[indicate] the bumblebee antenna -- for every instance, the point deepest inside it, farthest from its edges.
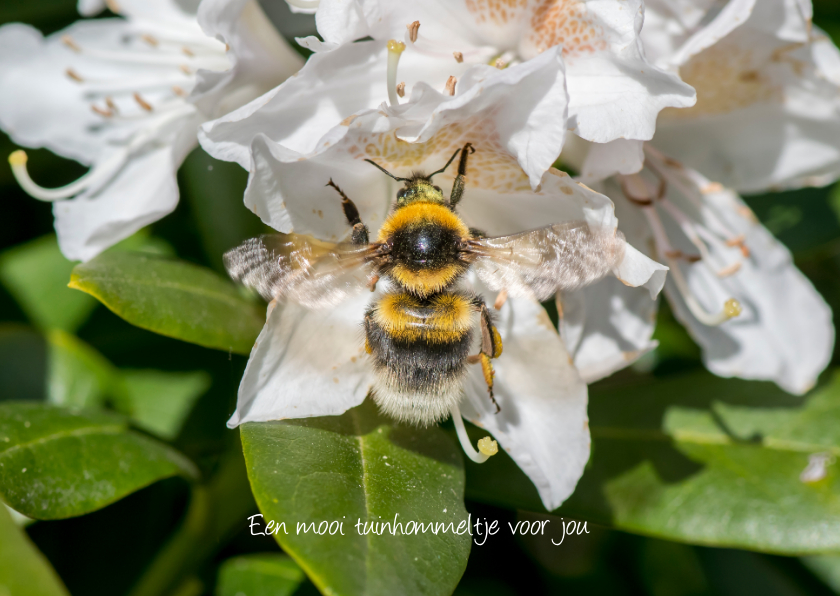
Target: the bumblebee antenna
(370, 161)
(440, 171)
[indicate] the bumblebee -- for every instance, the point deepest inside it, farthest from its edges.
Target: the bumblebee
(420, 331)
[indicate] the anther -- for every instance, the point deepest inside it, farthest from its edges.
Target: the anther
(113, 6)
(185, 69)
(102, 112)
(450, 85)
(74, 75)
(487, 447)
(178, 91)
(142, 102)
(413, 28)
(500, 64)
(68, 41)
(188, 52)
(401, 89)
(395, 49)
(730, 270)
(109, 101)
(149, 40)
(459, 57)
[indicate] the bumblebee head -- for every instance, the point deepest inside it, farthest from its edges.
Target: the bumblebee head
(419, 188)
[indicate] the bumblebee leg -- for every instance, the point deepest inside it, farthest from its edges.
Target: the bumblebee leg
(360, 231)
(491, 347)
(458, 185)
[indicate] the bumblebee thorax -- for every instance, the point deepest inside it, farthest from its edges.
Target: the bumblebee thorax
(424, 240)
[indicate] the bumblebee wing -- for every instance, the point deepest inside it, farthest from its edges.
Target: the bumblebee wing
(538, 263)
(300, 268)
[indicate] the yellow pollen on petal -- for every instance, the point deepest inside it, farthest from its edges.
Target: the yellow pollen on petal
(732, 308)
(18, 158)
(488, 446)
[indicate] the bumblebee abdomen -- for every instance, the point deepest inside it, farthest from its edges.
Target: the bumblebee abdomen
(419, 350)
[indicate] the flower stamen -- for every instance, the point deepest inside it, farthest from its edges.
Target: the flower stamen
(395, 50)
(142, 102)
(450, 85)
(72, 74)
(413, 28)
(401, 89)
(70, 43)
(459, 57)
(731, 307)
(487, 447)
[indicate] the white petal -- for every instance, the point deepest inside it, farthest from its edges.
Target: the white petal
(674, 31)
(142, 192)
(89, 8)
(543, 424)
(616, 157)
(329, 88)
(40, 106)
(525, 104)
(615, 93)
(768, 113)
(305, 363)
(262, 58)
(785, 332)
(607, 327)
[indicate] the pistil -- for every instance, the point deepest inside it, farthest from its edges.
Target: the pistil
(395, 50)
(487, 447)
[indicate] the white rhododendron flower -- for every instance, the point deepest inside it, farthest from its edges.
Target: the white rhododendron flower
(593, 77)
(767, 115)
(542, 423)
(126, 96)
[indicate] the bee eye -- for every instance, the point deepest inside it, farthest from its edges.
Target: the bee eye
(437, 188)
(400, 194)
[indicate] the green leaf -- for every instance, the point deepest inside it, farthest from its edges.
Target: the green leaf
(23, 363)
(23, 569)
(263, 574)
(57, 463)
(827, 568)
(703, 460)
(158, 401)
(361, 467)
(173, 298)
(77, 375)
(36, 275)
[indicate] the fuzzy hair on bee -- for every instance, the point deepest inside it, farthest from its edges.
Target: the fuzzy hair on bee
(420, 332)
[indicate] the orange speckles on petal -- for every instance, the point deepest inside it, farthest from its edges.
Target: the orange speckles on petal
(727, 77)
(566, 22)
(491, 166)
(496, 12)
